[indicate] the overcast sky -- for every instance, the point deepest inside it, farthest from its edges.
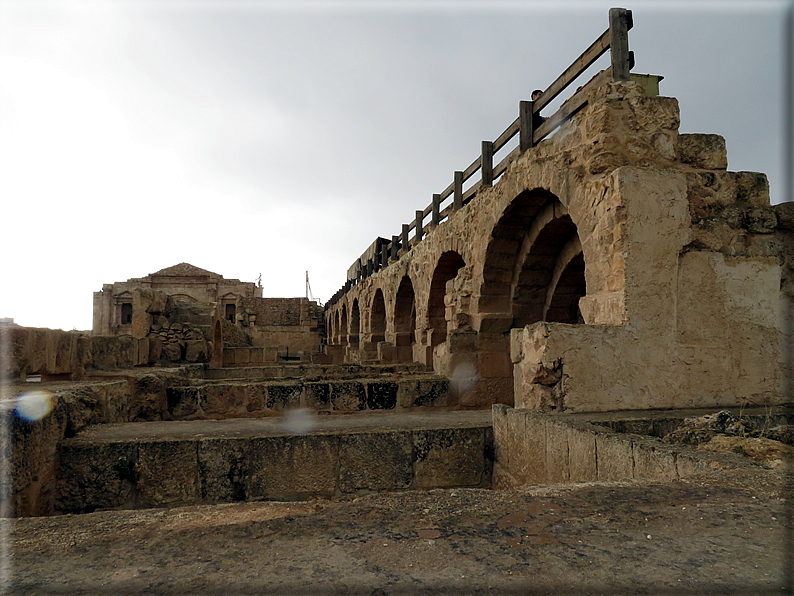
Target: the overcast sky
(276, 138)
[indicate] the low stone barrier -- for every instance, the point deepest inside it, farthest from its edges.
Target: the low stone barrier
(210, 462)
(537, 448)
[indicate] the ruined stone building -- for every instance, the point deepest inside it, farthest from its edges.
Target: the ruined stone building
(178, 309)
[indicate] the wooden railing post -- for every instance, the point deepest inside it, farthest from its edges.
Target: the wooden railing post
(525, 132)
(404, 239)
(457, 201)
(436, 217)
(420, 215)
(369, 268)
(619, 25)
(394, 243)
(486, 163)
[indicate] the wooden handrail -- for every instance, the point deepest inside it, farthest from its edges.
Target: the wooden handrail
(615, 39)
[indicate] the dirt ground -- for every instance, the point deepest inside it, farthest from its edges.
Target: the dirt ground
(728, 532)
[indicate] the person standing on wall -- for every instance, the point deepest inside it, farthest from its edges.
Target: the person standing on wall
(537, 119)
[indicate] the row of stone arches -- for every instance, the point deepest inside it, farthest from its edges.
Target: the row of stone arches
(457, 305)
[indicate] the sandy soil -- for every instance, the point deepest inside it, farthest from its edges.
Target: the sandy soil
(727, 532)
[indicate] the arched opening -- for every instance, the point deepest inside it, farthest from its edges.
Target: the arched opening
(377, 319)
(534, 266)
(343, 328)
(447, 268)
(551, 256)
(355, 324)
(405, 313)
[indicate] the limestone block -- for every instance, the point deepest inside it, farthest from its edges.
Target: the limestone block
(381, 395)
(115, 401)
(785, 215)
(348, 396)
(256, 396)
(557, 451)
(223, 469)
(706, 151)
(495, 364)
(269, 354)
(142, 351)
(424, 393)
(196, 351)
(167, 473)
(752, 187)
(375, 461)
(290, 468)
(449, 457)
(615, 457)
(527, 430)
(653, 460)
(148, 399)
(761, 220)
(317, 396)
(171, 351)
(691, 463)
(222, 398)
(183, 402)
(95, 476)
(283, 397)
(582, 455)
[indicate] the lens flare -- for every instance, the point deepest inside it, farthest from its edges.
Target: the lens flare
(34, 405)
(299, 421)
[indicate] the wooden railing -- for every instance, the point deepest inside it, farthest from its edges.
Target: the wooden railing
(615, 39)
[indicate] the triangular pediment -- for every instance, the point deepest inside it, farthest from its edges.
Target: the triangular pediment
(185, 270)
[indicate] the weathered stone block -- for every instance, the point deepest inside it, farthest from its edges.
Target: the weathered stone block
(653, 460)
(705, 151)
(183, 402)
(615, 458)
(256, 397)
(424, 393)
(95, 476)
(375, 461)
(148, 400)
(222, 399)
(283, 397)
(582, 455)
(293, 467)
(196, 351)
(316, 396)
(557, 452)
(449, 457)
(348, 395)
(381, 395)
(223, 469)
(167, 473)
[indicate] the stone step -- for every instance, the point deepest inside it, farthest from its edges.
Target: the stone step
(295, 457)
(199, 399)
(317, 371)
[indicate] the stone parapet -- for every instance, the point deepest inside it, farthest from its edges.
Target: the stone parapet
(532, 447)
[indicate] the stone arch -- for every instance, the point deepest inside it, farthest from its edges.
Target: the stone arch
(377, 317)
(533, 267)
(343, 326)
(355, 323)
(405, 313)
(449, 263)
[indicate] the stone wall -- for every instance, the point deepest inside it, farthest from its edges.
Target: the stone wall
(657, 271)
(537, 448)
